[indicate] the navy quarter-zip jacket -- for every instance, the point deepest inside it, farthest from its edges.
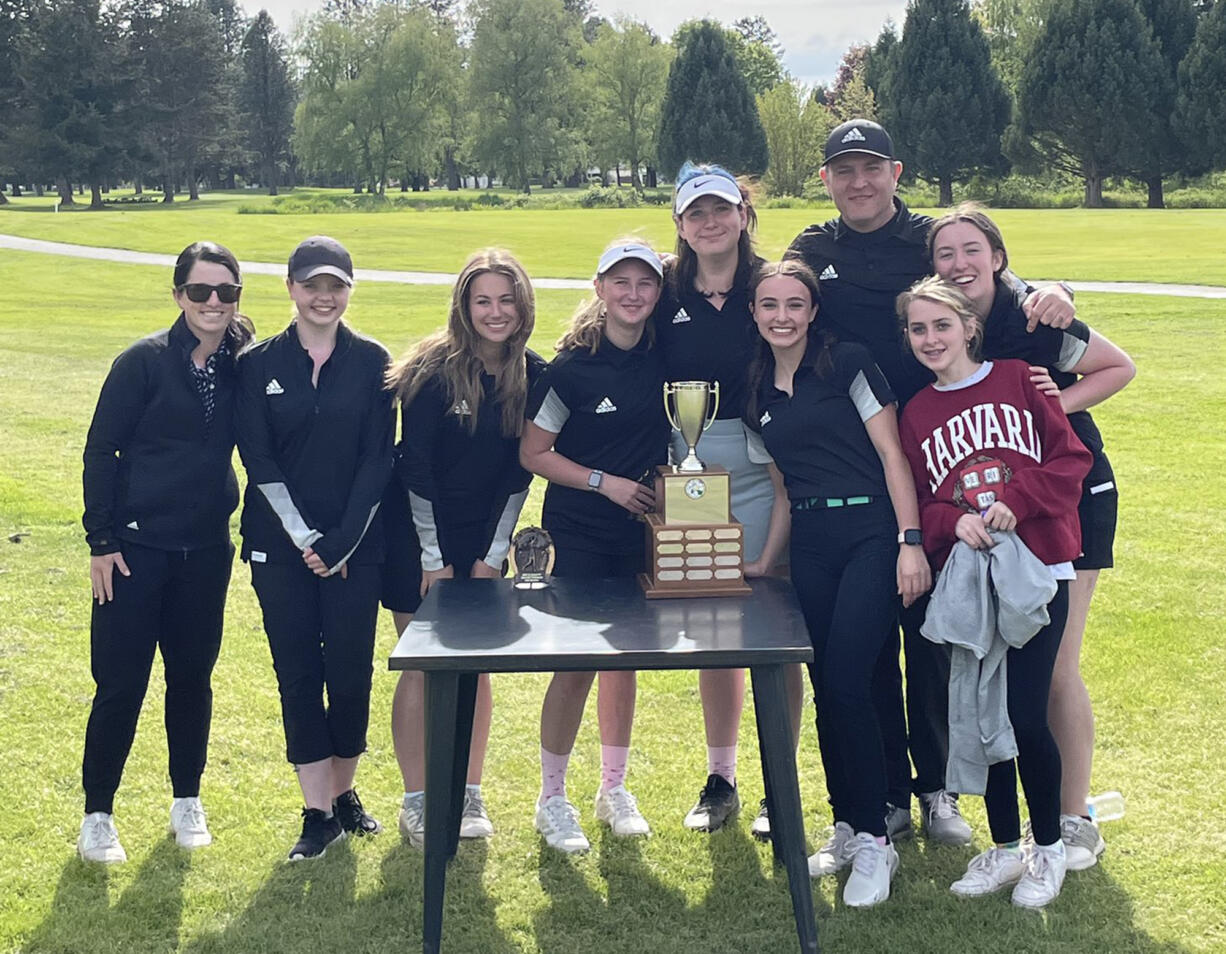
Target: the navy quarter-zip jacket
(318, 457)
(154, 473)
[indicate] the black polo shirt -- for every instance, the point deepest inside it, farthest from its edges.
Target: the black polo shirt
(318, 458)
(1058, 350)
(156, 471)
(817, 436)
(470, 483)
(700, 342)
(860, 275)
(607, 410)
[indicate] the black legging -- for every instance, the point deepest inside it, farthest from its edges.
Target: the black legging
(1038, 758)
(174, 601)
(844, 563)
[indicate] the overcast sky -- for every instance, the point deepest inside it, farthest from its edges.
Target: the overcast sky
(814, 33)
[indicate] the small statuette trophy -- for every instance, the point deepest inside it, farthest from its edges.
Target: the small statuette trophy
(531, 558)
(694, 546)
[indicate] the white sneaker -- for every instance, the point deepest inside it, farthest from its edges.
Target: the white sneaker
(990, 871)
(618, 809)
(188, 824)
(872, 868)
(1082, 842)
(1044, 876)
(412, 822)
(474, 820)
(834, 855)
(99, 841)
(558, 821)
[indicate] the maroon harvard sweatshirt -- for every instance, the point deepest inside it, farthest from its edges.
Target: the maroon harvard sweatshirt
(995, 437)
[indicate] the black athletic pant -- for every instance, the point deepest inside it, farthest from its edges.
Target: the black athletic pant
(1038, 758)
(924, 728)
(174, 601)
(844, 570)
(321, 632)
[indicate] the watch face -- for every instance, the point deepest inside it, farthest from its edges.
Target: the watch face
(695, 487)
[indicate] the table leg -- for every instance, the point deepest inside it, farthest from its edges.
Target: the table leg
(442, 697)
(466, 704)
(783, 794)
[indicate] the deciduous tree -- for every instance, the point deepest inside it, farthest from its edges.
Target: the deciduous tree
(796, 126)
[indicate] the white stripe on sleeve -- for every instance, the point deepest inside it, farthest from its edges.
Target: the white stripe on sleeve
(861, 393)
(502, 533)
(427, 532)
(278, 497)
(553, 413)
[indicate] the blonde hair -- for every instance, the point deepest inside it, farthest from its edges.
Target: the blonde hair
(454, 352)
(940, 292)
(587, 323)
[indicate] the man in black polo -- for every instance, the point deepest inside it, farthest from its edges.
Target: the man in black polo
(864, 259)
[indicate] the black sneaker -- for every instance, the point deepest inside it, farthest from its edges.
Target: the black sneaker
(348, 808)
(318, 832)
(716, 802)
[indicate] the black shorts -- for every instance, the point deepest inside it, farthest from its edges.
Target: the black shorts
(1098, 511)
(574, 562)
(401, 589)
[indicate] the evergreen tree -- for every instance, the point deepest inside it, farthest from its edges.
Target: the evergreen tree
(1200, 110)
(12, 24)
(1087, 97)
(879, 58)
(1174, 25)
(709, 113)
(267, 97)
(941, 100)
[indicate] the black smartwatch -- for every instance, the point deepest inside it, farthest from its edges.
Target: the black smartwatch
(913, 538)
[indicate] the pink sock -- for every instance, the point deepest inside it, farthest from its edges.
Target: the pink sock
(721, 760)
(553, 774)
(880, 839)
(613, 760)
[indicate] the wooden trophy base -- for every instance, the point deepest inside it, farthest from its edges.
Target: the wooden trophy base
(693, 560)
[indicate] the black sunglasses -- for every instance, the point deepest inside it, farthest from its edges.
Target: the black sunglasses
(199, 292)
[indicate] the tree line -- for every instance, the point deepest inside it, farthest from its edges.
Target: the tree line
(373, 93)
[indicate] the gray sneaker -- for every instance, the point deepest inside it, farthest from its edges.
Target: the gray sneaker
(898, 822)
(940, 819)
(1082, 842)
(412, 822)
(836, 854)
(474, 820)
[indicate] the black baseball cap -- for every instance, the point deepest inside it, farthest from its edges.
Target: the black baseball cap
(320, 255)
(858, 135)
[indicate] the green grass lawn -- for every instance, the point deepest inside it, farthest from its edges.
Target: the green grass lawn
(1154, 660)
(1086, 244)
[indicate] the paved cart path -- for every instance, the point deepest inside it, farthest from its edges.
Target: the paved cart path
(441, 278)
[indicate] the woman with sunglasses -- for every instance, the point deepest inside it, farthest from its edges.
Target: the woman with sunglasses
(453, 504)
(315, 434)
(159, 491)
(596, 430)
(706, 333)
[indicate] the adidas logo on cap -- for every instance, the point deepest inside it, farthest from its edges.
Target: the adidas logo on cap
(827, 273)
(681, 316)
(274, 387)
(605, 406)
(853, 135)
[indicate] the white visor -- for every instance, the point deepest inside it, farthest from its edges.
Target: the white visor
(708, 184)
(619, 253)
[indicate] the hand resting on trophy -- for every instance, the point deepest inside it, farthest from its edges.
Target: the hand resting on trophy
(630, 494)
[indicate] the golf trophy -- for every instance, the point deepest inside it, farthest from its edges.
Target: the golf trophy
(694, 547)
(531, 557)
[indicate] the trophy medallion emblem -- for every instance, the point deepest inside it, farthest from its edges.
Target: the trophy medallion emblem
(531, 558)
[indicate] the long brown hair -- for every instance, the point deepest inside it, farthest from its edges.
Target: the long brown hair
(683, 274)
(453, 353)
(763, 362)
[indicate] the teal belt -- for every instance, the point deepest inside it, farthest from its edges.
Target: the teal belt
(829, 503)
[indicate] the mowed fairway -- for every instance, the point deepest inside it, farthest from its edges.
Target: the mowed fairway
(1087, 244)
(1154, 659)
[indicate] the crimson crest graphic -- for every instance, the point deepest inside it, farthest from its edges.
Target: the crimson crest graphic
(980, 482)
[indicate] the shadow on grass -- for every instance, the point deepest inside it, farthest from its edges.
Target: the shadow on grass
(145, 918)
(313, 906)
